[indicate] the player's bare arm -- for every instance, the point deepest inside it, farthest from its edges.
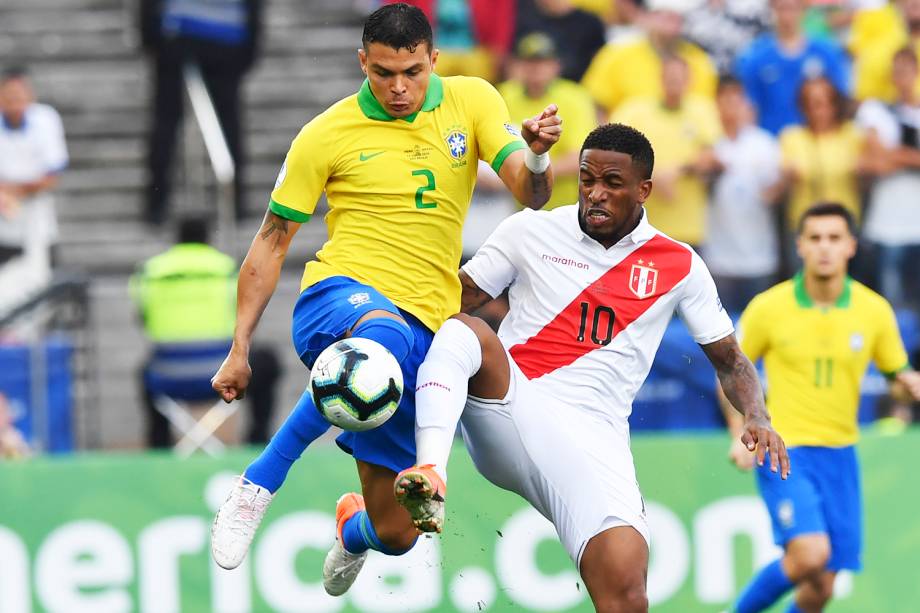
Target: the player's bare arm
(530, 188)
(907, 380)
(472, 297)
(741, 386)
(257, 281)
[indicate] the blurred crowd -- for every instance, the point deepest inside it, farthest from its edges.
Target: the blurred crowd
(757, 109)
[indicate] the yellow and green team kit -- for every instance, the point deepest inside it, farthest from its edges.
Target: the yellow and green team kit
(398, 189)
(815, 358)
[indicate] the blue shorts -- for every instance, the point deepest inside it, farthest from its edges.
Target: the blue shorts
(323, 314)
(821, 495)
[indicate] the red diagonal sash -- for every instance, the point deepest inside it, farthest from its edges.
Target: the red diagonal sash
(630, 288)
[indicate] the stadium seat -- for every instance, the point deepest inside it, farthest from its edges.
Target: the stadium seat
(178, 378)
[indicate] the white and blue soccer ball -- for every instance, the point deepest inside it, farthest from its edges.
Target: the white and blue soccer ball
(356, 384)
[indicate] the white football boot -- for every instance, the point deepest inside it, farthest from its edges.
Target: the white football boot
(236, 522)
(341, 567)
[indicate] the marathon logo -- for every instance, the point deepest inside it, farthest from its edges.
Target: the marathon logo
(555, 259)
(432, 384)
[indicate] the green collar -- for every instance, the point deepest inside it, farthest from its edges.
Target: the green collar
(805, 301)
(372, 109)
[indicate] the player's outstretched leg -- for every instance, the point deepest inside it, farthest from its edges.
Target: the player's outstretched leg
(341, 566)
(465, 357)
(241, 513)
(376, 522)
(422, 492)
(614, 567)
(236, 522)
(805, 560)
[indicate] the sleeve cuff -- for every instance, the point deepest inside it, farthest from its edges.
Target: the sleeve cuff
(482, 283)
(288, 213)
(499, 159)
(891, 374)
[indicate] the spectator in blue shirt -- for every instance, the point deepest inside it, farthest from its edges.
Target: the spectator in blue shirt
(775, 65)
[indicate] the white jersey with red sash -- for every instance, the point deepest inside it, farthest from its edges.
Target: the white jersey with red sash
(585, 321)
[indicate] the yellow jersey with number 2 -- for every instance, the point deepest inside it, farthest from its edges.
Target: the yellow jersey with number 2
(398, 189)
(815, 358)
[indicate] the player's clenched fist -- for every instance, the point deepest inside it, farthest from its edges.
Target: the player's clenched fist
(233, 377)
(543, 131)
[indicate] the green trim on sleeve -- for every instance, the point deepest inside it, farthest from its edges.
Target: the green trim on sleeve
(894, 373)
(515, 145)
(288, 213)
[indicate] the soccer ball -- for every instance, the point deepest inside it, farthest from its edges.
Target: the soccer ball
(356, 384)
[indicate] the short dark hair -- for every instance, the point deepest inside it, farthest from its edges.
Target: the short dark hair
(11, 73)
(193, 230)
(623, 139)
(398, 26)
(726, 81)
(826, 209)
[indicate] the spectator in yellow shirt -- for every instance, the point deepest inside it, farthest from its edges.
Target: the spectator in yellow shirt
(821, 159)
(534, 84)
(622, 70)
(876, 35)
(682, 129)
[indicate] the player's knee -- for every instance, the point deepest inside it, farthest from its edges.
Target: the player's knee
(396, 540)
(629, 597)
(488, 340)
(394, 334)
(809, 561)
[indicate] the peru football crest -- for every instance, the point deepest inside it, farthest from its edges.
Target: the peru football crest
(643, 280)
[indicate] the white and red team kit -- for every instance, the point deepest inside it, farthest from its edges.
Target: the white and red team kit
(583, 329)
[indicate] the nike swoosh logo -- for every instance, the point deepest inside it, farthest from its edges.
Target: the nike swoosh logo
(365, 158)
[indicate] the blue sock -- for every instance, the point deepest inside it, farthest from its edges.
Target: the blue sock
(303, 426)
(794, 608)
(358, 535)
(396, 336)
(767, 587)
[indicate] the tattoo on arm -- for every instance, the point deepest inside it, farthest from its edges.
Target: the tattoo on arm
(737, 375)
(472, 296)
(539, 186)
(274, 226)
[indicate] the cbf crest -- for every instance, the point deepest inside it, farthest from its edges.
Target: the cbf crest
(643, 279)
(456, 144)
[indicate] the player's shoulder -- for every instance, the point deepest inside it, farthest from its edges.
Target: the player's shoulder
(462, 85)
(345, 108)
(42, 114)
(776, 298)
(866, 298)
(670, 243)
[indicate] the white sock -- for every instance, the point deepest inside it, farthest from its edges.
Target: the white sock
(440, 392)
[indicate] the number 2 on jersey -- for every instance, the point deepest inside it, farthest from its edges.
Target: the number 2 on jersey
(604, 313)
(420, 192)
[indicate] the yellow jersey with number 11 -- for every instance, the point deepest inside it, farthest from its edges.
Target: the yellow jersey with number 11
(815, 358)
(398, 189)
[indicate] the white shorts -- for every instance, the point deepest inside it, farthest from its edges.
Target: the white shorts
(574, 468)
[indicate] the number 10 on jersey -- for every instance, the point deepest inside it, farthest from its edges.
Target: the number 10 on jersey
(601, 323)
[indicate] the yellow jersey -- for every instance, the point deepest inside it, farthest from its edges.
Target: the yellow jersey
(815, 358)
(875, 36)
(632, 69)
(577, 111)
(826, 164)
(398, 189)
(678, 136)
